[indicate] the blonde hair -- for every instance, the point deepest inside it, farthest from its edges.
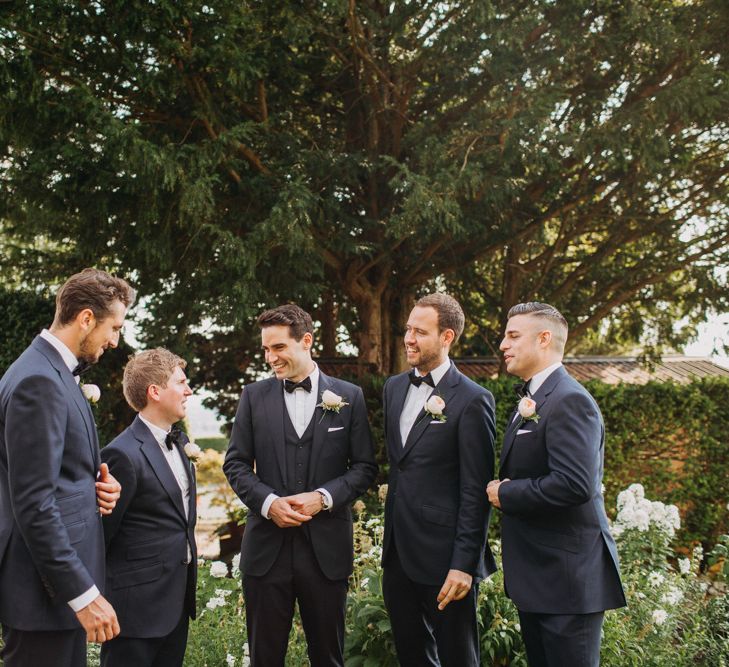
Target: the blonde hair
(146, 368)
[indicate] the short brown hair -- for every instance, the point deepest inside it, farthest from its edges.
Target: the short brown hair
(295, 318)
(560, 328)
(93, 289)
(146, 368)
(450, 313)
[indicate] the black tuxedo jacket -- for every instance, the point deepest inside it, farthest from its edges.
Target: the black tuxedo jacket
(558, 554)
(342, 461)
(437, 511)
(147, 536)
(51, 540)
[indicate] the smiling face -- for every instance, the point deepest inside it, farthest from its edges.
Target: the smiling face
(98, 335)
(287, 357)
(426, 347)
(171, 400)
(527, 346)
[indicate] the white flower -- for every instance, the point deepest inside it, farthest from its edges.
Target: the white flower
(91, 392)
(659, 616)
(434, 406)
(528, 408)
(230, 660)
(382, 492)
(684, 565)
(331, 401)
(215, 602)
(672, 596)
(192, 450)
(218, 569)
(365, 582)
(222, 592)
(655, 579)
(236, 565)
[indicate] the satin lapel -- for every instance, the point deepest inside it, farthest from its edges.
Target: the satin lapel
(74, 390)
(153, 453)
(446, 389)
(190, 469)
(398, 393)
(509, 436)
(274, 406)
(322, 419)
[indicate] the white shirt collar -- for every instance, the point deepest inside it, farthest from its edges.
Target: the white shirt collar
(438, 372)
(159, 434)
(539, 378)
(69, 358)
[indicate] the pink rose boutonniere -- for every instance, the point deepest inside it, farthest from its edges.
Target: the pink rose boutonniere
(527, 409)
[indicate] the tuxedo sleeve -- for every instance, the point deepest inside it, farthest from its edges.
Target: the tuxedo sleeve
(35, 432)
(573, 437)
(362, 467)
(476, 432)
(122, 468)
(240, 459)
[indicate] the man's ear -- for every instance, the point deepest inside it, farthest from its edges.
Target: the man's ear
(85, 319)
(307, 339)
(447, 337)
(152, 393)
(545, 338)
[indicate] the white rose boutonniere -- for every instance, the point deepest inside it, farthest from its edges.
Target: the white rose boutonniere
(434, 406)
(192, 451)
(331, 402)
(91, 392)
(527, 410)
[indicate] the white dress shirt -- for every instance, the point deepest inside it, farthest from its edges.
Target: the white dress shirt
(301, 405)
(69, 358)
(539, 378)
(177, 465)
(417, 397)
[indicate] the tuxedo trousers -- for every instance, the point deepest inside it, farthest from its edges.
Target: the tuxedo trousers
(424, 635)
(295, 577)
(60, 648)
(562, 640)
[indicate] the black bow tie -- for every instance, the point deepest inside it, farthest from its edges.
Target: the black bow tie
(173, 438)
(417, 380)
(522, 390)
(290, 385)
(81, 367)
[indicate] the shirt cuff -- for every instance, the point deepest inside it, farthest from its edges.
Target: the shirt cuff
(84, 600)
(328, 496)
(267, 504)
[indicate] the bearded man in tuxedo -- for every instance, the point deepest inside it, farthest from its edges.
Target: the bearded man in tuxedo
(53, 486)
(439, 429)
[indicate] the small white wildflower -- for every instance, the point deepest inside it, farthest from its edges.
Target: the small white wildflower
(365, 583)
(222, 592)
(684, 565)
(230, 660)
(218, 569)
(215, 602)
(659, 616)
(655, 579)
(640, 595)
(672, 596)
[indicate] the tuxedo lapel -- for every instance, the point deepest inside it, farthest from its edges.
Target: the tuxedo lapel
(540, 398)
(161, 468)
(446, 389)
(190, 470)
(322, 419)
(74, 391)
(398, 392)
(275, 408)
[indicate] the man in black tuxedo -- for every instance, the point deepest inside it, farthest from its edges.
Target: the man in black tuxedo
(439, 428)
(560, 561)
(151, 558)
(53, 486)
(300, 453)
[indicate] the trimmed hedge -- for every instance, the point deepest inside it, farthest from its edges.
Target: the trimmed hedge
(672, 438)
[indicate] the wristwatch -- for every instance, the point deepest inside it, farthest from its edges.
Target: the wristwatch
(324, 502)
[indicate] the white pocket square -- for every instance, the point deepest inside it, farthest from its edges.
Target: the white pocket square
(334, 428)
(522, 431)
(437, 421)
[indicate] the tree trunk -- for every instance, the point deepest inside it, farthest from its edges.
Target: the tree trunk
(328, 317)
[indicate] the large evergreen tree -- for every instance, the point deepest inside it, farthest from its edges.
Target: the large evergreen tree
(350, 154)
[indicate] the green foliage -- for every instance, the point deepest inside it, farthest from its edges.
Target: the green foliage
(235, 155)
(218, 444)
(25, 315)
